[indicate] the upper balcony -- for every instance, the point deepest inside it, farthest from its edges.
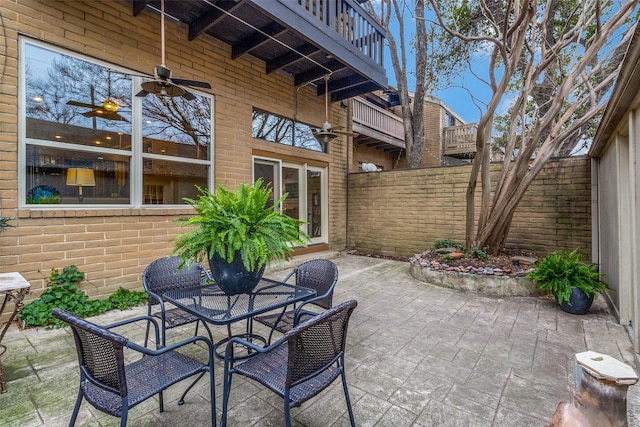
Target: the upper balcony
(306, 39)
(377, 127)
(460, 141)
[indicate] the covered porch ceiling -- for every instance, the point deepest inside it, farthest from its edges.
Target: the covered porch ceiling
(305, 40)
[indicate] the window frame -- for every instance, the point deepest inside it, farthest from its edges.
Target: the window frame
(135, 154)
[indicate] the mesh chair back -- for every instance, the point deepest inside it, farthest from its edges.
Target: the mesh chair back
(317, 343)
(100, 353)
(162, 275)
(321, 275)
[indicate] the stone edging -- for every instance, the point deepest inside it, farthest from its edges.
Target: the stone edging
(497, 286)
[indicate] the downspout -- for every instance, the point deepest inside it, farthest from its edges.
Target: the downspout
(595, 228)
(635, 276)
(346, 203)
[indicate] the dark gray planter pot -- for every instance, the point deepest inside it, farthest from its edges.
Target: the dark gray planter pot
(233, 278)
(579, 302)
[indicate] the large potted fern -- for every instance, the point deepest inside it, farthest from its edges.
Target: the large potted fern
(239, 232)
(573, 282)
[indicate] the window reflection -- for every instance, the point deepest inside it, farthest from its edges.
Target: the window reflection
(78, 114)
(274, 128)
(66, 99)
(177, 127)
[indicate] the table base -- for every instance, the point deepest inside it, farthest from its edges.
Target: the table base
(246, 336)
(17, 298)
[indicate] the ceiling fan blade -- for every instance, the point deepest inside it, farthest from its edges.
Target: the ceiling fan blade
(82, 104)
(188, 96)
(142, 93)
(194, 83)
(104, 115)
(92, 113)
(114, 116)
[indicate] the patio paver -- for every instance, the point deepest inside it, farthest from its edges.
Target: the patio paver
(418, 355)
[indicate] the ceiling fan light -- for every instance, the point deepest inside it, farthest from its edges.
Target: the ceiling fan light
(110, 105)
(324, 135)
(163, 88)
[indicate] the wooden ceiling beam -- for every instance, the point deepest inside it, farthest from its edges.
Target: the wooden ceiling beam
(210, 18)
(291, 57)
(138, 6)
(256, 39)
(318, 72)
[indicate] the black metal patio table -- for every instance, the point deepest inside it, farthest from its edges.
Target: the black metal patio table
(212, 305)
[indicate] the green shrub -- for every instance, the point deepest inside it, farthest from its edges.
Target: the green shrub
(477, 253)
(446, 243)
(62, 292)
(123, 298)
(557, 272)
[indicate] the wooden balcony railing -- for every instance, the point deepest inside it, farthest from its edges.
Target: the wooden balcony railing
(459, 140)
(373, 117)
(347, 20)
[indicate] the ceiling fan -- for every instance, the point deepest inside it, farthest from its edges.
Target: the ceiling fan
(163, 84)
(326, 132)
(108, 110)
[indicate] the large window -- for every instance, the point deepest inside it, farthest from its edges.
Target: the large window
(281, 130)
(86, 139)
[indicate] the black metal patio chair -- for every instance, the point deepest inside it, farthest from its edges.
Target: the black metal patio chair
(298, 366)
(114, 387)
(318, 274)
(162, 275)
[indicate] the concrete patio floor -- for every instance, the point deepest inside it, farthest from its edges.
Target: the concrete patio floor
(417, 355)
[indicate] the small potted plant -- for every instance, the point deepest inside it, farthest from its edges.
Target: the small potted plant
(573, 282)
(239, 232)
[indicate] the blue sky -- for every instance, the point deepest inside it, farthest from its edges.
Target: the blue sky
(455, 97)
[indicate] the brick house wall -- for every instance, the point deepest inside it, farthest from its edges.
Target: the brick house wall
(433, 125)
(403, 212)
(113, 246)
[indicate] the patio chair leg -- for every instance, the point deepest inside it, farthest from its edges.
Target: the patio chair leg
(225, 400)
(181, 401)
(74, 415)
(160, 398)
(287, 413)
(346, 395)
(125, 411)
(146, 334)
(212, 391)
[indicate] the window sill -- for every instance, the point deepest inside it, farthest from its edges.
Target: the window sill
(106, 211)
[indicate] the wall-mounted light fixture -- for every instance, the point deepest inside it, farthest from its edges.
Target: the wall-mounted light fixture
(80, 177)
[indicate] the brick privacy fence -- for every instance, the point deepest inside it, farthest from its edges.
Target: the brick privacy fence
(403, 212)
